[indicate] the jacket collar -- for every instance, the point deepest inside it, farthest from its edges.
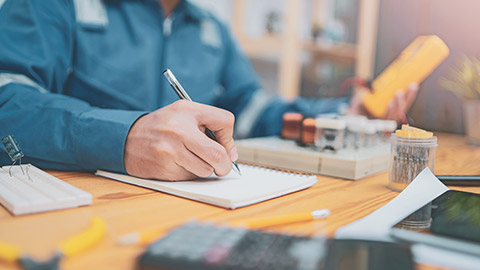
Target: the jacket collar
(190, 11)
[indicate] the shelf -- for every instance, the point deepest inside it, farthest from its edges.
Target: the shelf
(267, 45)
(287, 48)
(343, 52)
(270, 46)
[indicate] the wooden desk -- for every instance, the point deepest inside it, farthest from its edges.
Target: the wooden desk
(127, 208)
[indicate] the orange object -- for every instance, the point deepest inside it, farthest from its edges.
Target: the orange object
(412, 132)
(292, 124)
(308, 131)
(413, 65)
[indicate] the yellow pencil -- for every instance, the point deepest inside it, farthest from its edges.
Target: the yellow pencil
(148, 237)
(143, 238)
(257, 223)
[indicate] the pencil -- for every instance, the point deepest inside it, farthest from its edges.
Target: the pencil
(148, 237)
(143, 238)
(258, 223)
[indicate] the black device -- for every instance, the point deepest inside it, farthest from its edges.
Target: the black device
(455, 223)
(460, 180)
(211, 247)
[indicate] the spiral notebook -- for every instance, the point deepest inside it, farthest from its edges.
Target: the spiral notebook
(232, 191)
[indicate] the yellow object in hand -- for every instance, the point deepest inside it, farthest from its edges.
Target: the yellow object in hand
(413, 65)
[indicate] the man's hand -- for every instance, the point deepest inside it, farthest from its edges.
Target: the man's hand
(170, 143)
(396, 109)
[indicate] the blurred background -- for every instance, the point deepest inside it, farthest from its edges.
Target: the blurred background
(309, 47)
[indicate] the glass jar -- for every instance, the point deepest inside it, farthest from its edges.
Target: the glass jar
(408, 157)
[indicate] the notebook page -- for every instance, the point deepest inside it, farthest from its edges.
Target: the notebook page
(256, 184)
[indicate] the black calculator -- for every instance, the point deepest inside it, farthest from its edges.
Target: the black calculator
(212, 247)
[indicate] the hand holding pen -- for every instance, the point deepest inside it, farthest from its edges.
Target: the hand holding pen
(182, 94)
(170, 143)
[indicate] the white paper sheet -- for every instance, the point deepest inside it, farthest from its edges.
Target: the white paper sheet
(377, 225)
(232, 191)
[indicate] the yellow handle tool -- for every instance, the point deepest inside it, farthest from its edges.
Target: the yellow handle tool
(71, 246)
(84, 240)
(9, 252)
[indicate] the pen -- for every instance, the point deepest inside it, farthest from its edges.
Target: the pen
(257, 223)
(182, 94)
(460, 180)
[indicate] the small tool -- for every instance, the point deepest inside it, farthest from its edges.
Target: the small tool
(68, 248)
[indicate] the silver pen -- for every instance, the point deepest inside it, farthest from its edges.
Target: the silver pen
(182, 94)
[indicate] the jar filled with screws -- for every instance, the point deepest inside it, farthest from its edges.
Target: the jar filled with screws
(412, 150)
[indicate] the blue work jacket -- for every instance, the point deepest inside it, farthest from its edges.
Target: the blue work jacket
(76, 74)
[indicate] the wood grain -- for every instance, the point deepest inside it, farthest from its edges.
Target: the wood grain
(128, 208)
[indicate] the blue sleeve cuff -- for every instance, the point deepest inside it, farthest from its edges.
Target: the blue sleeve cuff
(100, 138)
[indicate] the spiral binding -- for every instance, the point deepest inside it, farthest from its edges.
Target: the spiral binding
(277, 170)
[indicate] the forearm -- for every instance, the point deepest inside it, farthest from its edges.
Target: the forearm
(60, 132)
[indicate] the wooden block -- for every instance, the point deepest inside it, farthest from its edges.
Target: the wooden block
(286, 154)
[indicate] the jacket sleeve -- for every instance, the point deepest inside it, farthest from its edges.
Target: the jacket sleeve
(55, 131)
(258, 114)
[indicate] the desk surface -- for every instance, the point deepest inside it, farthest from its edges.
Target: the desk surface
(128, 208)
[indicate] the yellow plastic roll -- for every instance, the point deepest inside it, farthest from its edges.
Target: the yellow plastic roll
(413, 65)
(9, 252)
(84, 240)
